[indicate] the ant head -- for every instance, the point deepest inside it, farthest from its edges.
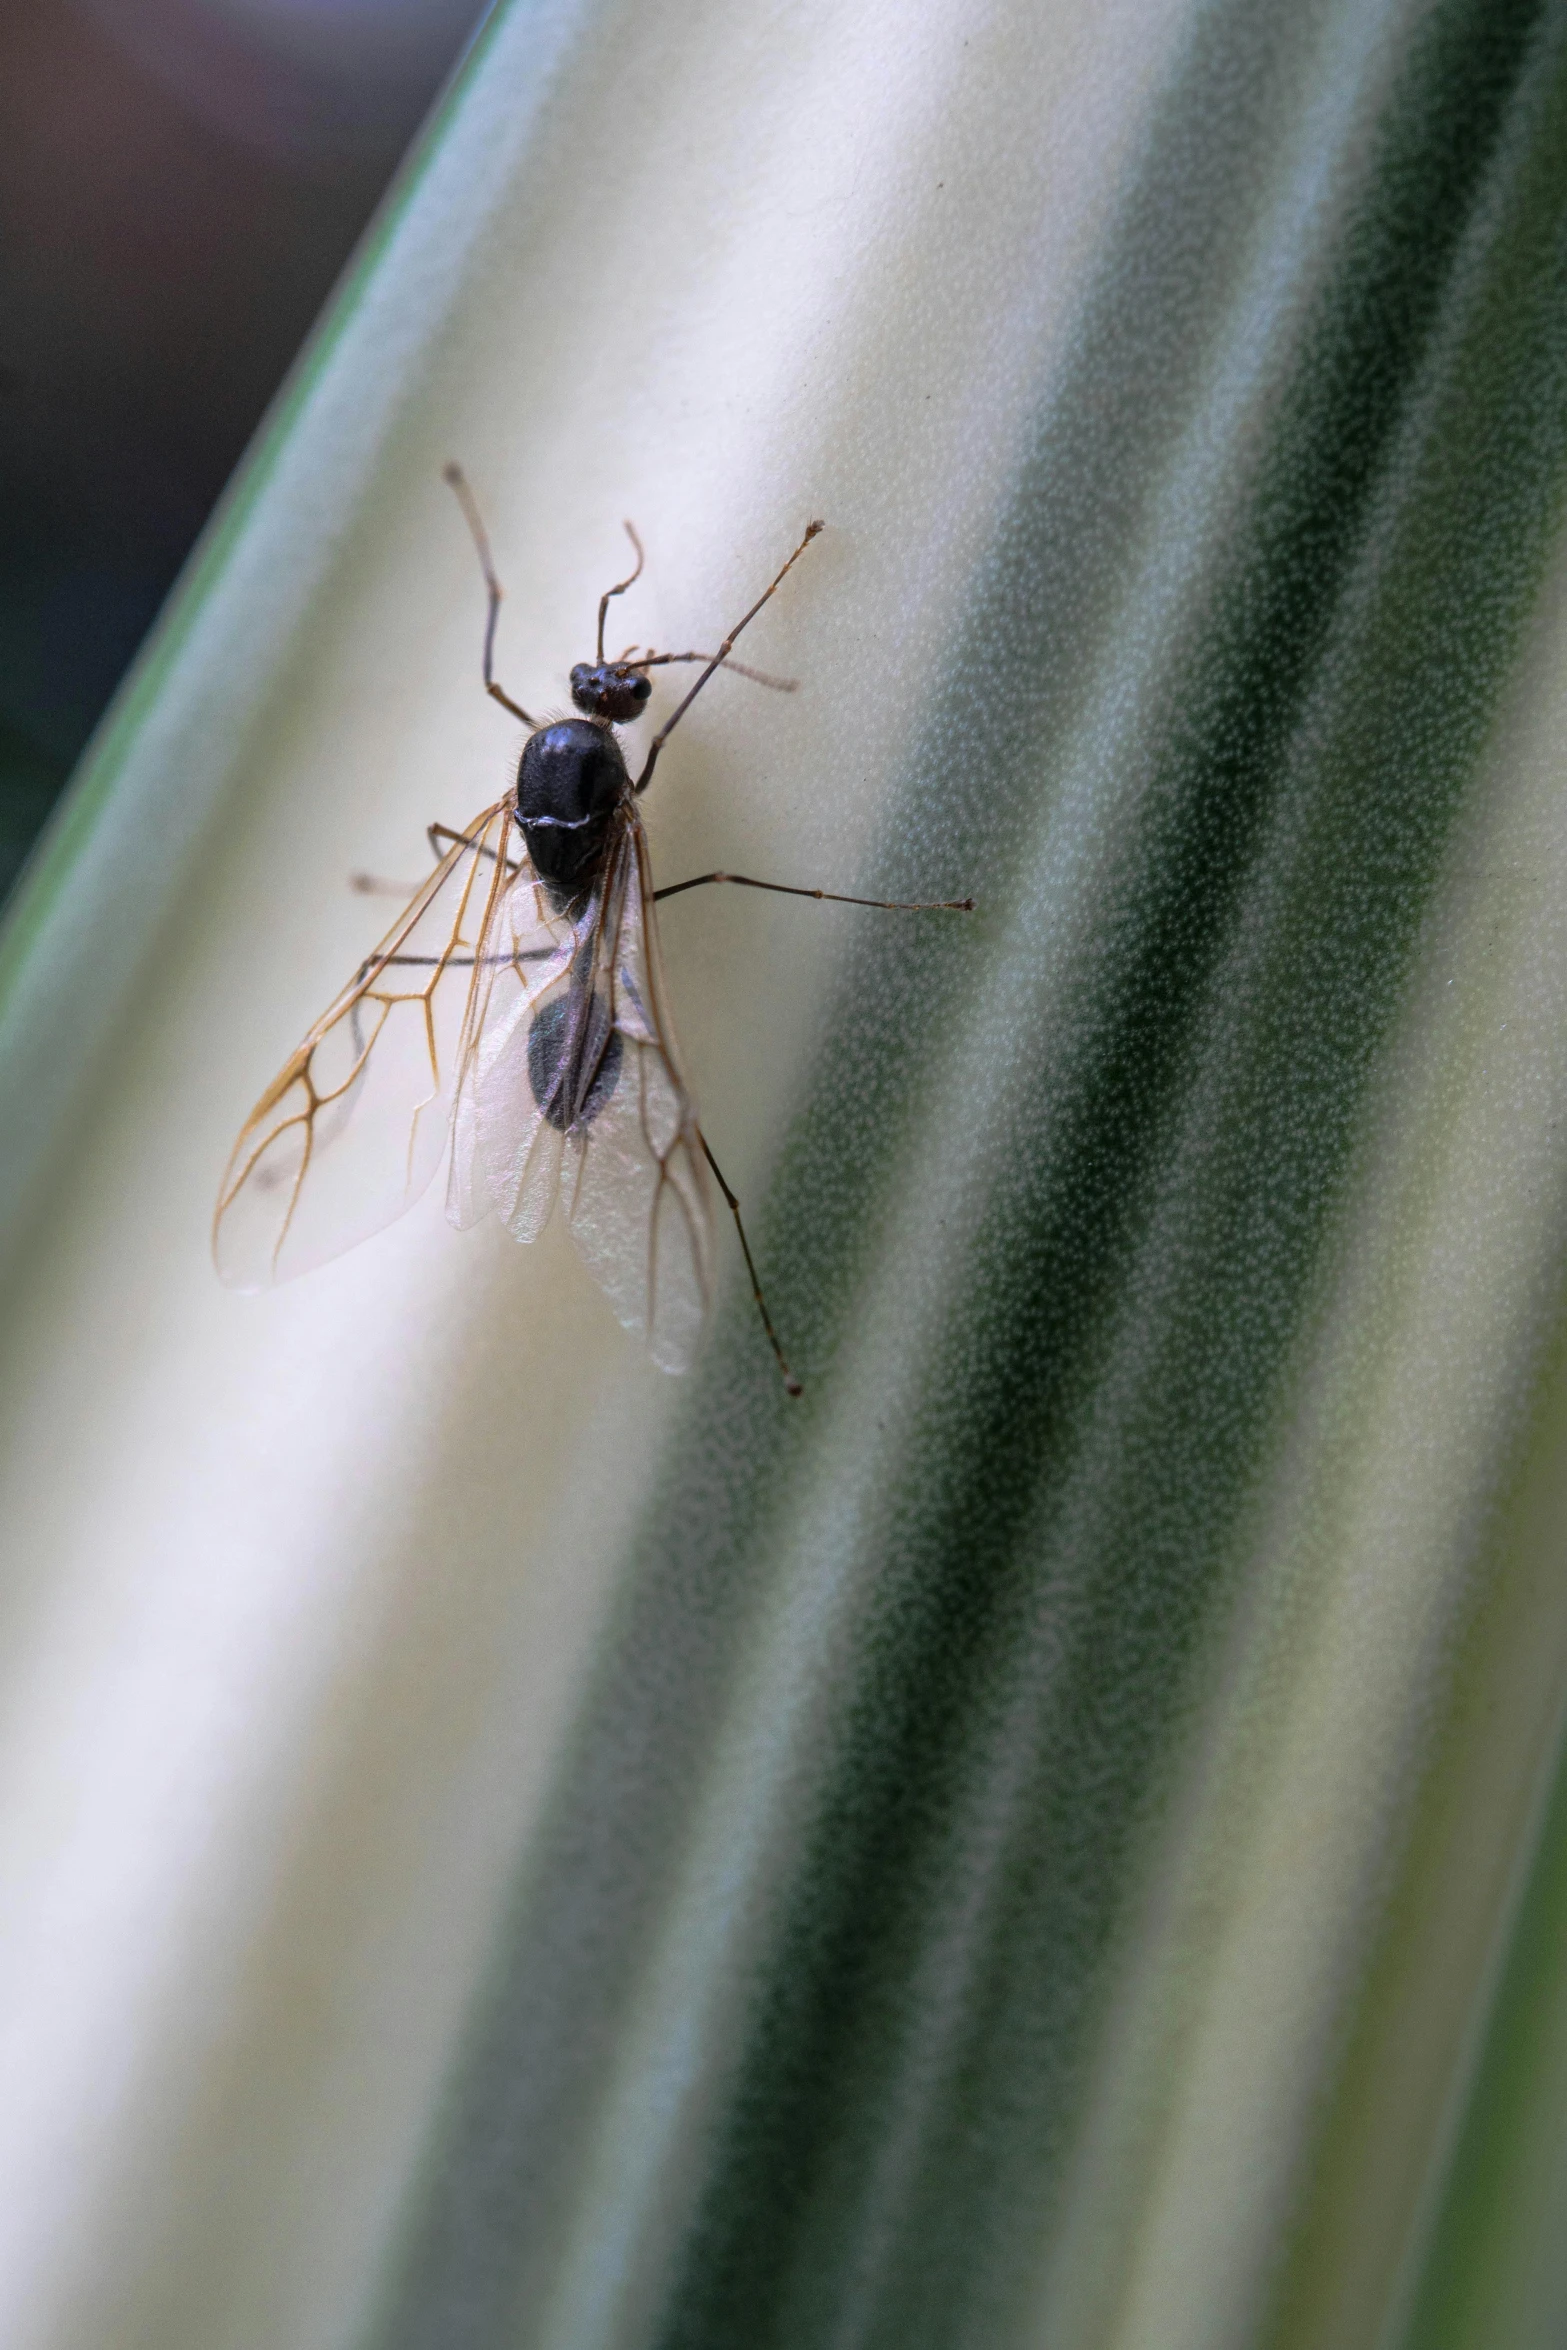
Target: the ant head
(610, 689)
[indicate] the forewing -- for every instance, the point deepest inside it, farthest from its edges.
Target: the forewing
(638, 1196)
(505, 1153)
(351, 1130)
(571, 1087)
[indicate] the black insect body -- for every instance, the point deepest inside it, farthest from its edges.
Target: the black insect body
(574, 1055)
(515, 1012)
(610, 689)
(571, 782)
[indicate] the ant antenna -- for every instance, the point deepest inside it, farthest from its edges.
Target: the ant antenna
(629, 581)
(455, 479)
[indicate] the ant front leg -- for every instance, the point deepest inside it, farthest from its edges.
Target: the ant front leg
(721, 656)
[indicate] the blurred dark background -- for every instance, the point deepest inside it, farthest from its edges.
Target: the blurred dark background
(181, 181)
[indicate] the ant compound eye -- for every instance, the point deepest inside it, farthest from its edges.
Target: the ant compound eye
(642, 687)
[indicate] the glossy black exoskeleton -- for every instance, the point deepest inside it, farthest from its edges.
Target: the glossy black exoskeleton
(570, 780)
(610, 689)
(574, 796)
(574, 1056)
(572, 776)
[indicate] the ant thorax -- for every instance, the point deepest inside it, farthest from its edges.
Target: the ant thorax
(571, 778)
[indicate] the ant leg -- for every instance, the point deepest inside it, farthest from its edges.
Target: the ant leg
(629, 581)
(721, 656)
(436, 833)
(791, 1383)
(374, 963)
(835, 897)
(779, 685)
(457, 480)
(370, 885)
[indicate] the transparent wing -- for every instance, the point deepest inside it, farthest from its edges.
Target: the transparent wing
(570, 1089)
(351, 1130)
